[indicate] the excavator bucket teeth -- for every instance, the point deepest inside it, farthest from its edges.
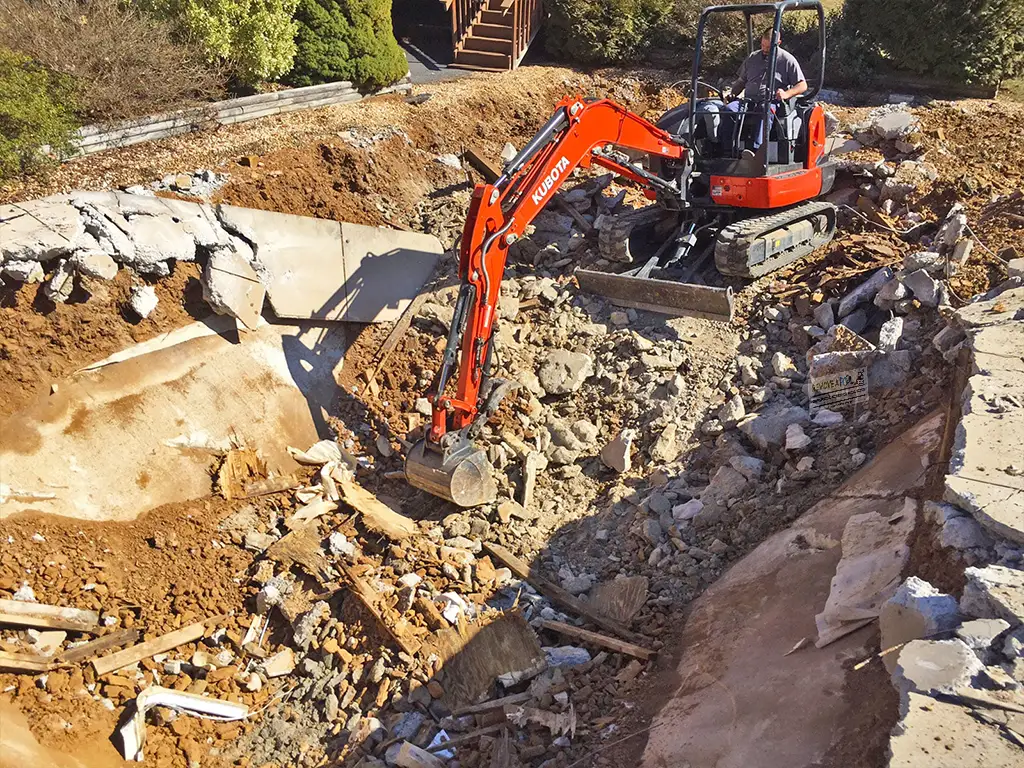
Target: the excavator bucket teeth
(462, 476)
(664, 296)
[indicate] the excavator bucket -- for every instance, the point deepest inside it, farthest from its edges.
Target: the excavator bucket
(462, 476)
(664, 296)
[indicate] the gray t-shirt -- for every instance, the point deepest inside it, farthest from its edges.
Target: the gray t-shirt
(754, 72)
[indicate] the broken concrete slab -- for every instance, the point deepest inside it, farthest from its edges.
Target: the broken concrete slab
(95, 264)
(864, 292)
(924, 287)
(981, 634)
(327, 270)
(232, 287)
(39, 230)
(24, 271)
(936, 734)
(916, 611)
(875, 551)
(994, 592)
(159, 413)
(562, 371)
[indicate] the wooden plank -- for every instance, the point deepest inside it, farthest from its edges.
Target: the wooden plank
(128, 656)
(620, 599)
(477, 159)
(487, 706)
(376, 515)
(21, 608)
(19, 662)
(93, 648)
(611, 643)
(42, 622)
(467, 737)
(368, 597)
(559, 596)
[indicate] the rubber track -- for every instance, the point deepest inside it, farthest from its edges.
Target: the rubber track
(732, 249)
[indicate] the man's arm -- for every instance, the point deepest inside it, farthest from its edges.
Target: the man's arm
(796, 90)
(741, 80)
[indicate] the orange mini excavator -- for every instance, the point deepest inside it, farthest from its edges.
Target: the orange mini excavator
(755, 213)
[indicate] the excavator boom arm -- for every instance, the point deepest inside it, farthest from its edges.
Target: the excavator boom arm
(500, 212)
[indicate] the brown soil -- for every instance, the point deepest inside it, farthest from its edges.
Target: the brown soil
(42, 342)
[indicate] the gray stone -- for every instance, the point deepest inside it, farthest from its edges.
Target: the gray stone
(555, 223)
(856, 321)
(952, 228)
(890, 293)
(143, 300)
(935, 666)
(961, 253)
(768, 427)
(890, 369)
(687, 511)
(232, 287)
(864, 292)
(796, 439)
(666, 447)
(59, 287)
(24, 271)
(562, 371)
(924, 287)
(948, 338)
(824, 315)
(748, 466)
(158, 239)
(725, 487)
(895, 125)
(566, 656)
(95, 264)
(732, 411)
(827, 418)
(994, 592)
(890, 333)
(1015, 268)
(909, 177)
(616, 454)
(963, 533)
(650, 530)
(926, 260)
(585, 431)
(981, 634)
(783, 365)
(916, 611)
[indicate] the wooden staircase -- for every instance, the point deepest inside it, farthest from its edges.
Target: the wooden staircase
(493, 35)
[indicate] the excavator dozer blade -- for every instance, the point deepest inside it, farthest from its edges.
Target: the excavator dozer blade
(665, 296)
(462, 476)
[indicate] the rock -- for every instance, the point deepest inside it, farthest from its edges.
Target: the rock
(910, 176)
(994, 592)
(615, 454)
(508, 152)
(254, 541)
(619, 318)
(796, 439)
(827, 418)
(916, 611)
(963, 533)
(143, 300)
(725, 487)
(824, 315)
(890, 370)
(562, 371)
(890, 333)
(783, 365)
(651, 531)
(1015, 268)
(59, 287)
(895, 125)
(924, 287)
(566, 656)
(24, 271)
(687, 511)
(890, 293)
(732, 411)
(340, 546)
(768, 427)
(280, 664)
(666, 447)
(232, 287)
(935, 666)
(980, 634)
(856, 321)
(450, 160)
(961, 253)
(423, 407)
(183, 182)
(747, 466)
(952, 229)
(586, 432)
(95, 264)
(864, 292)
(927, 260)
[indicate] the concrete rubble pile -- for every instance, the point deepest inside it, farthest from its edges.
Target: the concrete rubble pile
(67, 241)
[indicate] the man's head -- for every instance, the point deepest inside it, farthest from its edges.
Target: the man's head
(766, 40)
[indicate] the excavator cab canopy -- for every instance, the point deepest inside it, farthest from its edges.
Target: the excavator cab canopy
(786, 137)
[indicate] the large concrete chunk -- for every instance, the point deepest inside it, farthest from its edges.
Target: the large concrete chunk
(916, 611)
(562, 371)
(768, 427)
(994, 592)
(934, 734)
(232, 287)
(38, 230)
(326, 270)
(935, 666)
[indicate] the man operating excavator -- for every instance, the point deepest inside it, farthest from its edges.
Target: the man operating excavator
(752, 83)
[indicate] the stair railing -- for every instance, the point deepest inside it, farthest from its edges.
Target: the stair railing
(525, 25)
(465, 13)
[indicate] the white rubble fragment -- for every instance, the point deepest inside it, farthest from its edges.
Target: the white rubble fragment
(732, 411)
(280, 664)
(59, 287)
(890, 333)
(143, 300)
(24, 593)
(341, 546)
(827, 418)
(566, 656)
(916, 611)
(562, 372)
(616, 454)
(450, 160)
(796, 438)
(994, 592)
(95, 264)
(935, 666)
(783, 365)
(24, 271)
(924, 287)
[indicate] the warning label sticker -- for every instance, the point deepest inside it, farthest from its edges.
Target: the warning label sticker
(839, 391)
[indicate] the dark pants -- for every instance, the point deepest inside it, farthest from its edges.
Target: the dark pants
(757, 115)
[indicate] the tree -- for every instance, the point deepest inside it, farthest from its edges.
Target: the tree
(604, 31)
(37, 120)
(255, 37)
(347, 40)
(963, 40)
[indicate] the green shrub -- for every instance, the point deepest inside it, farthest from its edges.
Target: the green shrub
(974, 41)
(347, 40)
(36, 113)
(256, 38)
(604, 31)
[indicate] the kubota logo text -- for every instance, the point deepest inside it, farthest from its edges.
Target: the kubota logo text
(549, 180)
